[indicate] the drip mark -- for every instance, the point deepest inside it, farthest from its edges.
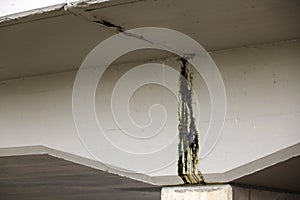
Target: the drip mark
(188, 147)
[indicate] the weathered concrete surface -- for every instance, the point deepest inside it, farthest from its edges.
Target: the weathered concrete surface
(254, 44)
(216, 192)
(223, 192)
(263, 105)
(15, 9)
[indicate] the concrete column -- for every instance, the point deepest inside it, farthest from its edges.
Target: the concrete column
(224, 192)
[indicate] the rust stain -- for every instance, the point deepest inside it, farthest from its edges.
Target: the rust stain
(188, 147)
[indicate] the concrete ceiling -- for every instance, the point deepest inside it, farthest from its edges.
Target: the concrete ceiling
(45, 177)
(214, 24)
(284, 175)
(59, 41)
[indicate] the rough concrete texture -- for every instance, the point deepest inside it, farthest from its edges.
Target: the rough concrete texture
(215, 192)
(224, 192)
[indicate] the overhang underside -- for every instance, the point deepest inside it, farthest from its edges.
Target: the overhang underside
(283, 176)
(47, 177)
(43, 176)
(58, 41)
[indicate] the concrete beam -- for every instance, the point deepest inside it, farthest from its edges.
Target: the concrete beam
(224, 192)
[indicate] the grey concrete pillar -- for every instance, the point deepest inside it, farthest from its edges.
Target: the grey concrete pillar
(224, 192)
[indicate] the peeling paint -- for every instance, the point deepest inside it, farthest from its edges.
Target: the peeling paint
(36, 11)
(188, 147)
(84, 3)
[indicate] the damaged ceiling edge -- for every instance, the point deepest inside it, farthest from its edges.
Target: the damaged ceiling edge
(14, 17)
(63, 5)
(90, 18)
(74, 7)
(69, 7)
